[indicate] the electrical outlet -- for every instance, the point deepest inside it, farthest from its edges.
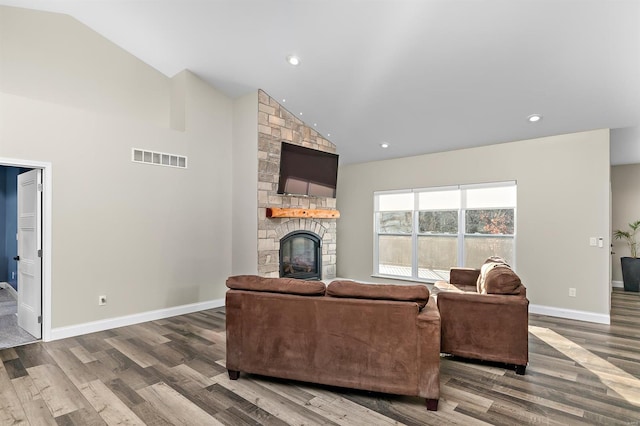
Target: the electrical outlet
(102, 300)
(572, 292)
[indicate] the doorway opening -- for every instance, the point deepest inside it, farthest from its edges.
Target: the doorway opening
(25, 252)
(11, 332)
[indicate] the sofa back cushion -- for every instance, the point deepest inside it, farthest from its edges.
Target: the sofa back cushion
(406, 293)
(497, 277)
(276, 285)
(464, 276)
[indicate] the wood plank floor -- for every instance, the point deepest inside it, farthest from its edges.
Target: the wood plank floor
(171, 372)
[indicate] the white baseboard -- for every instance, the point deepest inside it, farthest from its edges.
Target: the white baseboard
(570, 314)
(617, 284)
(94, 326)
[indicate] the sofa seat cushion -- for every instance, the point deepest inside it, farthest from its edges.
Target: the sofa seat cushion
(405, 293)
(276, 285)
(497, 277)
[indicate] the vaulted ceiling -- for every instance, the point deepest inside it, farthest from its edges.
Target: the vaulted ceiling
(420, 75)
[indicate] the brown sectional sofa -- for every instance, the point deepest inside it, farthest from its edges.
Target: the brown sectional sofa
(485, 314)
(382, 338)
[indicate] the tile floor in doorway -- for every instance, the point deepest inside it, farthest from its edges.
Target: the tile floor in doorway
(10, 334)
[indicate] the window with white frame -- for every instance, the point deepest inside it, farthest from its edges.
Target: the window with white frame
(421, 233)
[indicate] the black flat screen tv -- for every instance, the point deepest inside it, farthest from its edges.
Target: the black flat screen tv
(306, 171)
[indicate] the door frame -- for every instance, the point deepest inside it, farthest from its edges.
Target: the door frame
(47, 172)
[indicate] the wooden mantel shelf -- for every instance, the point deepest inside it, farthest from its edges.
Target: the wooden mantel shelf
(314, 213)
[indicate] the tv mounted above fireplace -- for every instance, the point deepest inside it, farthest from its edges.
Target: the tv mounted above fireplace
(308, 172)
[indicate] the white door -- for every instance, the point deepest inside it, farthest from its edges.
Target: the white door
(29, 252)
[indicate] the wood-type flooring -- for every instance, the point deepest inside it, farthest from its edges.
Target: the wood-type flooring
(171, 372)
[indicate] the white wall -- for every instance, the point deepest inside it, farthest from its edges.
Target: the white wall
(563, 199)
(54, 58)
(148, 237)
(625, 194)
(245, 185)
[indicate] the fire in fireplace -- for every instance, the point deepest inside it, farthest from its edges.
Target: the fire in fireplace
(301, 256)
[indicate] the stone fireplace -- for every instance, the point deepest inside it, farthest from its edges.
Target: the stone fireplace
(275, 125)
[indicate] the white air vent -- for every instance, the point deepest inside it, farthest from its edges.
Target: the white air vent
(158, 158)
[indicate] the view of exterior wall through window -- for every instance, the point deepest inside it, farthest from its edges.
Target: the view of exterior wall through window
(421, 233)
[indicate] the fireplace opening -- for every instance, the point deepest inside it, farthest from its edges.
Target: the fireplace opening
(301, 256)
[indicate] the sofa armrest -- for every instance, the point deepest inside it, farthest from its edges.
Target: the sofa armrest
(429, 314)
(485, 326)
(464, 276)
(428, 324)
(233, 324)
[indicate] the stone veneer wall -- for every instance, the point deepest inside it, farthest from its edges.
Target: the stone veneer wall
(276, 124)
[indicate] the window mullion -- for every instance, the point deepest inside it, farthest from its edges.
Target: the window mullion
(414, 237)
(376, 239)
(461, 226)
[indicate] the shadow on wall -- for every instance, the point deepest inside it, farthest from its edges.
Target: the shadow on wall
(9, 224)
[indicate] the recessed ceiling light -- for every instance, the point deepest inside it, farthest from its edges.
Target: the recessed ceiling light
(328, 134)
(384, 145)
(300, 113)
(534, 118)
(284, 100)
(293, 60)
(315, 124)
